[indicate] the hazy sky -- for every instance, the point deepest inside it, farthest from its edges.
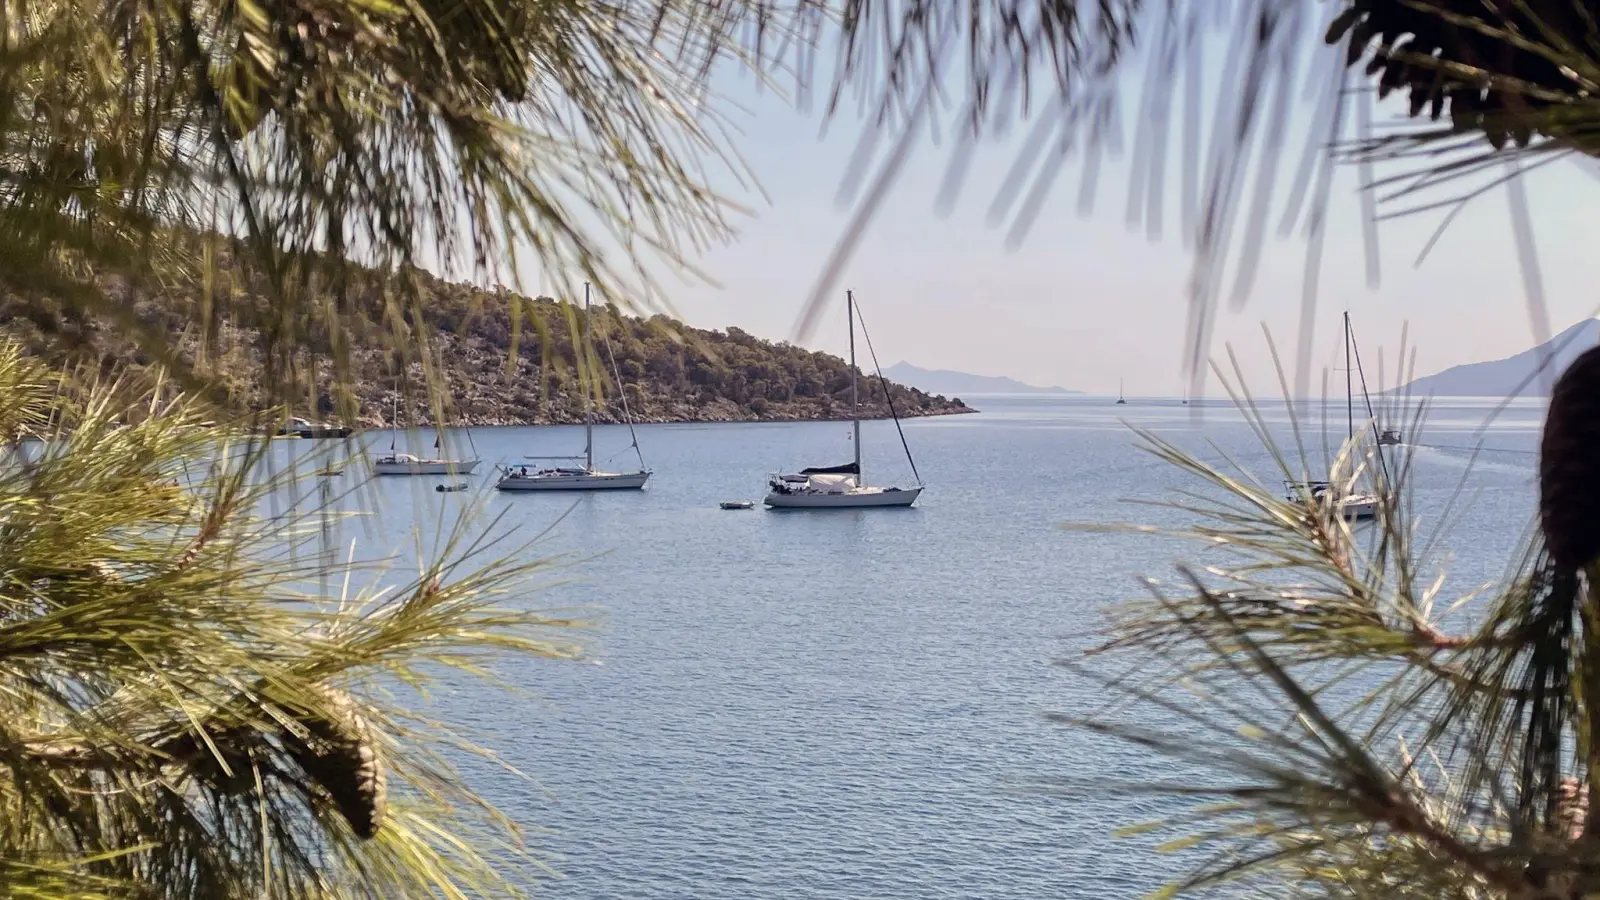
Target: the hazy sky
(1085, 300)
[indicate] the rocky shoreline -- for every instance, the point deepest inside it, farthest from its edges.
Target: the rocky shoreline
(698, 417)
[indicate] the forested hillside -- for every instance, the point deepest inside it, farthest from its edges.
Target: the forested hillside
(670, 373)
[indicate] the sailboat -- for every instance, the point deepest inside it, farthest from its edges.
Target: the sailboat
(397, 463)
(585, 477)
(1354, 506)
(1120, 401)
(842, 486)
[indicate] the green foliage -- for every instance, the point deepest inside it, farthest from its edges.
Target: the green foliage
(1349, 744)
(181, 717)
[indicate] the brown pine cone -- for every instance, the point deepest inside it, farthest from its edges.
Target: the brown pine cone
(1569, 466)
(340, 753)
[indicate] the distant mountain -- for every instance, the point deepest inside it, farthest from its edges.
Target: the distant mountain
(961, 384)
(1505, 377)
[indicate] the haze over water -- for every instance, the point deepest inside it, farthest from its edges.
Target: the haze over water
(852, 704)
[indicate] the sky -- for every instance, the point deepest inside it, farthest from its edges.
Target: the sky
(1085, 301)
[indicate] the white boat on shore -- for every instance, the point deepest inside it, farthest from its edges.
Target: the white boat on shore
(585, 477)
(842, 486)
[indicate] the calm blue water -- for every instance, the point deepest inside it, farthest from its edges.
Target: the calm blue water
(851, 704)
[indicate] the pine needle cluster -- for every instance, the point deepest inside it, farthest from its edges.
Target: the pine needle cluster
(1353, 744)
(182, 715)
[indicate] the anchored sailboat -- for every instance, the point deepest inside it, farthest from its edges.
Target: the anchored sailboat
(1352, 507)
(397, 463)
(585, 477)
(843, 486)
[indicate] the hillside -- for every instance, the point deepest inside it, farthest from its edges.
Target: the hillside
(961, 384)
(671, 373)
(1514, 375)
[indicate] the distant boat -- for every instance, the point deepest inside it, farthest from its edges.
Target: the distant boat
(450, 488)
(395, 463)
(1120, 401)
(841, 486)
(585, 477)
(736, 504)
(1390, 438)
(1321, 493)
(408, 464)
(1355, 506)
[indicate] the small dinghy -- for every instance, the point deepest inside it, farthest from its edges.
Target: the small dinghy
(330, 472)
(449, 488)
(737, 504)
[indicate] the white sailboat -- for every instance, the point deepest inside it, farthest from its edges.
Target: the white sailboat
(585, 477)
(410, 464)
(1352, 507)
(842, 486)
(398, 463)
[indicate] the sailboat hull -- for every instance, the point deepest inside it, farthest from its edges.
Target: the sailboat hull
(562, 481)
(860, 498)
(1355, 509)
(839, 487)
(426, 467)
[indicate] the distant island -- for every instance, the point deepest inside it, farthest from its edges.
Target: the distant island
(670, 371)
(1517, 375)
(960, 384)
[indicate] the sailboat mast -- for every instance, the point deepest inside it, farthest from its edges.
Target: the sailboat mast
(855, 380)
(588, 401)
(1349, 386)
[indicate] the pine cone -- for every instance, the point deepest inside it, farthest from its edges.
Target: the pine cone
(1569, 466)
(334, 747)
(341, 755)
